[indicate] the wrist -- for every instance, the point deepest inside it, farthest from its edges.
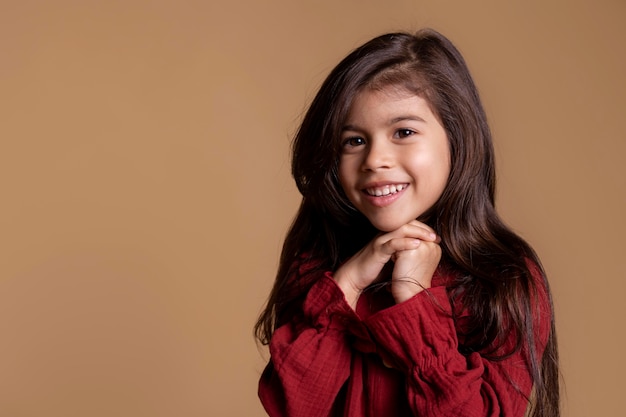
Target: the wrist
(403, 290)
(350, 291)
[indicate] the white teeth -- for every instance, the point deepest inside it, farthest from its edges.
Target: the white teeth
(385, 190)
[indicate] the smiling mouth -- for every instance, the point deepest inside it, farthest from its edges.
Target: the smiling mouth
(385, 190)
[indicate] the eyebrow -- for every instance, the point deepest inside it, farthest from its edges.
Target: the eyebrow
(408, 117)
(393, 121)
(349, 127)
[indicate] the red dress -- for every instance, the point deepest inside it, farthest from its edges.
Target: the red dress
(389, 360)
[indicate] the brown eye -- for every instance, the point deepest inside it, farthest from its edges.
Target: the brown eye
(403, 133)
(354, 141)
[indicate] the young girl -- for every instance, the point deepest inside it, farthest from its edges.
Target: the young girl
(400, 292)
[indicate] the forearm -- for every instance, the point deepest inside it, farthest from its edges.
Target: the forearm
(311, 356)
(419, 338)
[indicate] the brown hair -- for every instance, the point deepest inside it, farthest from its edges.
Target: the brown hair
(491, 261)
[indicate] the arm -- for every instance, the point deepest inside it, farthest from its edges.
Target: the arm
(310, 356)
(419, 338)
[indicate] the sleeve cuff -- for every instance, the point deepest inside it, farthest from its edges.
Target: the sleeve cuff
(419, 332)
(325, 306)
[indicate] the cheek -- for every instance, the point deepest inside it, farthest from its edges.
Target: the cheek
(444, 178)
(443, 155)
(345, 174)
(345, 185)
(446, 168)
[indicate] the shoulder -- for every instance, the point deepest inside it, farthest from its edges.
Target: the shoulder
(541, 298)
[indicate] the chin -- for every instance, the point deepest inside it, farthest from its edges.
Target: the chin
(388, 226)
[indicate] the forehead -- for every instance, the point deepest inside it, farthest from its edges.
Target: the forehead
(386, 102)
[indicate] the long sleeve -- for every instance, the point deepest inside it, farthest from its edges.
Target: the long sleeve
(310, 356)
(327, 361)
(419, 338)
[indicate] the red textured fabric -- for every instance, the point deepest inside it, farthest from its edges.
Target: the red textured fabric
(388, 359)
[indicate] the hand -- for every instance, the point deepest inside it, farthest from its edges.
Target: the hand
(413, 270)
(361, 270)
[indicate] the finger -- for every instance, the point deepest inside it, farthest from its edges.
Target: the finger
(421, 224)
(425, 249)
(418, 230)
(437, 238)
(392, 246)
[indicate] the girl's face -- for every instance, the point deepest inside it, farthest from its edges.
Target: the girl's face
(395, 158)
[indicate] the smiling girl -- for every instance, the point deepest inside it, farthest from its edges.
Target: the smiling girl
(400, 292)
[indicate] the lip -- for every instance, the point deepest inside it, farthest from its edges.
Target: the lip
(383, 201)
(375, 184)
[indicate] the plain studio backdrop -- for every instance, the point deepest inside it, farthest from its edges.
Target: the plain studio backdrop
(145, 187)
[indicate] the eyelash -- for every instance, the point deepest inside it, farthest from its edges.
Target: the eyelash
(350, 141)
(403, 133)
(398, 134)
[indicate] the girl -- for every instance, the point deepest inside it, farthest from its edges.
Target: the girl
(400, 292)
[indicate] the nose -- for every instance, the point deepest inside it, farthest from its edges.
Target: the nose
(379, 156)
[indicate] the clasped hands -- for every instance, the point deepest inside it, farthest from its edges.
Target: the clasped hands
(413, 248)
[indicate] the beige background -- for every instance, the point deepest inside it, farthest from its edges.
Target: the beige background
(145, 185)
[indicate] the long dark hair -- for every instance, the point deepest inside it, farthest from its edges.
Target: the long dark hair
(491, 263)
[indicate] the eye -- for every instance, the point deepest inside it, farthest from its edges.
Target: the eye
(353, 141)
(404, 133)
